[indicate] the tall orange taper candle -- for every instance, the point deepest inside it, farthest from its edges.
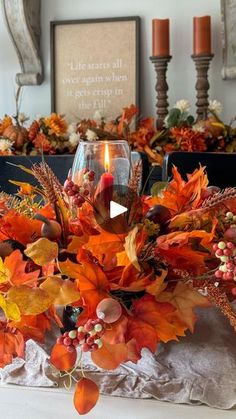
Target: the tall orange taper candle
(160, 37)
(202, 35)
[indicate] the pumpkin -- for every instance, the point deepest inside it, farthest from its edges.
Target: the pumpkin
(17, 134)
(215, 130)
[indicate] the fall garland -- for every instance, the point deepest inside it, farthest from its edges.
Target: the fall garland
(132, 290)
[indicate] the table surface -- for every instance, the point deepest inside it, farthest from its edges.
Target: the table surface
(41, 403)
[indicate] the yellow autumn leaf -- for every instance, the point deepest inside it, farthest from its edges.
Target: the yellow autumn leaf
(30, 300)
(42, 252)
(4, 272)
(63, 292)
(130, 248)
(10, 309)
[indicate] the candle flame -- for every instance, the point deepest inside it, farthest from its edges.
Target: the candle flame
(107, 158)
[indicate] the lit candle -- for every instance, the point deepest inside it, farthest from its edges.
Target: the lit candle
(202, 35)
(106, 181)
(160, 37)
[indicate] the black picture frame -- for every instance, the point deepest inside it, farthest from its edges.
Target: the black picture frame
(54, 51)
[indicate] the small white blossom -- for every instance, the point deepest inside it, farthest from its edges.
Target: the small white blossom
(198, 128)
(91, 135)
(72, 128)
(22, 117)
(74, 139)
(97, 116)
(5, 145)
(183, 105)
(215, 106)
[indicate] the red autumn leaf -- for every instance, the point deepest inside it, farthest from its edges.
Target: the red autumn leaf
(16, 266)
(86, 395)
(61, 358)
(11, 344)
(109, 357)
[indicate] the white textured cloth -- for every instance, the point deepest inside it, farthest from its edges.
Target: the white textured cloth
(200, 368)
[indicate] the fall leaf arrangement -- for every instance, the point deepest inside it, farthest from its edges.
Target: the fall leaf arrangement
(181, 131)
(133, 290)
(54, 135)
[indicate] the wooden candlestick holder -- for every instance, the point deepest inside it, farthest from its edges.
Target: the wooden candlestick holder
(161, 65)
(202, 63)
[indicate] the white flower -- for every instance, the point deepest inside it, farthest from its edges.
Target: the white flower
(91, 135)
(22, 117)
(215, 106)
(198, 128)
(74, 139)
(5, 145)
(97, 116)
(183, 105)
(72, 128)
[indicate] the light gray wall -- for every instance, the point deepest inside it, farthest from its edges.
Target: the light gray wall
(181, 74)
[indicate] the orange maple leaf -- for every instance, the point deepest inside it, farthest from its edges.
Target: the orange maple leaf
(105, 246)
(33, 327)
(176, 248)
(11, 344)
(18, 227)
(185, 298)
(180, 195)
(15, 267)
(91, 281)
(152, 322)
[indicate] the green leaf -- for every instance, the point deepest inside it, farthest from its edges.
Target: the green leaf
(173, 117)
(190, 120)
(157, 188)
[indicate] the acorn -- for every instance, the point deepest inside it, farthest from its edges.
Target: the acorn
(50, 229)
(230, 234)
(109, 310)
(158, 214)
(8, 246)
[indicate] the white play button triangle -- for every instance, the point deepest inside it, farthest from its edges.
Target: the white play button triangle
(116, 209)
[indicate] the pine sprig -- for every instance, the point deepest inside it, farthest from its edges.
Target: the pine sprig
(21, 206)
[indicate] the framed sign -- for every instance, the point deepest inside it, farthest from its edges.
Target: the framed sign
(228, 18)
(94, 66)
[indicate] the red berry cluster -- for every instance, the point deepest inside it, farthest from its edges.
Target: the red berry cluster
(226, 252)
(88, 337)
(76, 192)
